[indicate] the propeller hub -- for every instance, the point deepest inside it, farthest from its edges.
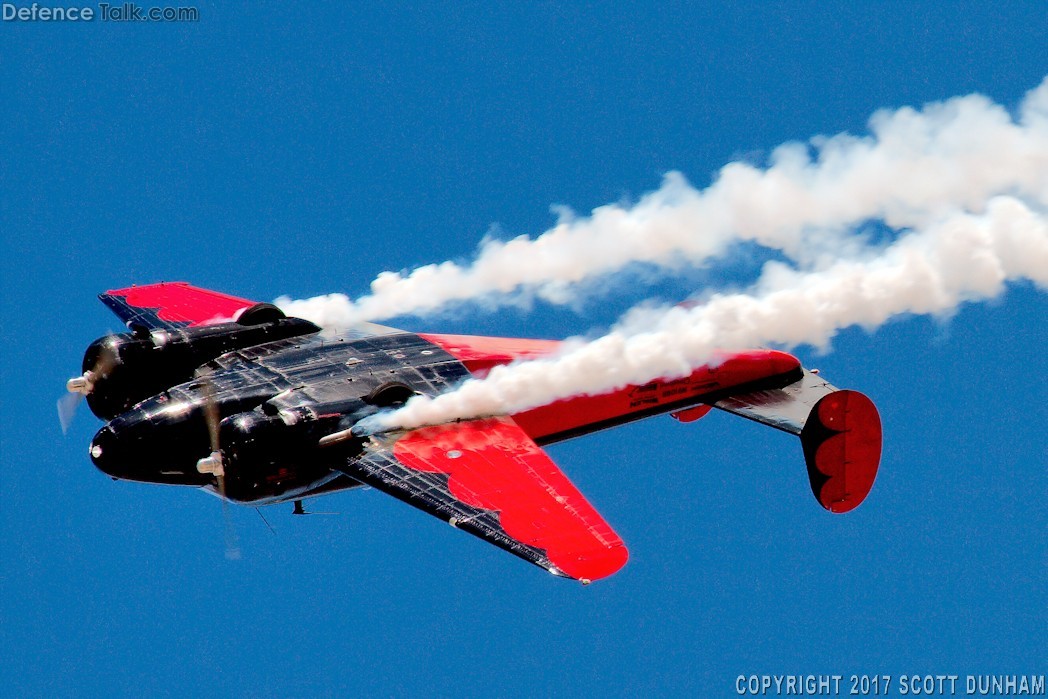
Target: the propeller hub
(81, 384)
(211, 464)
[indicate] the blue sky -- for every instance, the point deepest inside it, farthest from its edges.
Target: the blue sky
(290, 150)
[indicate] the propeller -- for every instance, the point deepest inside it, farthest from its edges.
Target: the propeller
(67, 406)
(215, 465)
(80, 386)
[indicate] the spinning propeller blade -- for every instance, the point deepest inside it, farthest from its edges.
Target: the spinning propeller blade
(214, 464)
(67, 406)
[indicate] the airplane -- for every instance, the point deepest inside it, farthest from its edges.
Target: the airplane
(213, 391)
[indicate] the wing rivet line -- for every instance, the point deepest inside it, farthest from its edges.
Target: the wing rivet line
(455, 521)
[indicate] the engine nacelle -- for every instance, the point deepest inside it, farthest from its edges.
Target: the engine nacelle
(265, 453)
(122, 370)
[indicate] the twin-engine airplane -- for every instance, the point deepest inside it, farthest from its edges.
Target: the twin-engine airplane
(221, 393)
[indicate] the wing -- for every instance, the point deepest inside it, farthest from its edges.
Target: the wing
(171, 305)
(490, 479)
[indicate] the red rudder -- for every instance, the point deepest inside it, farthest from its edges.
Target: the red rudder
(842, 447)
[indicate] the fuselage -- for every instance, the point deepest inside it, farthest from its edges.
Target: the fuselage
(276, 400)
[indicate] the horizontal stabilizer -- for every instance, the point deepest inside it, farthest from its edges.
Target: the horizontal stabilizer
(785, 408)
(840, 433)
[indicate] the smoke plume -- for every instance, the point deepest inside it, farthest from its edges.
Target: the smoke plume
(914, 167)
(959, 258)
(962, 185)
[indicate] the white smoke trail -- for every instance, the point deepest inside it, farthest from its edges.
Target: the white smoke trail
(913, 168)
(931, 270)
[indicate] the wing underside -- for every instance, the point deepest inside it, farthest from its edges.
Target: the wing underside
(487, 477)
(169, 305)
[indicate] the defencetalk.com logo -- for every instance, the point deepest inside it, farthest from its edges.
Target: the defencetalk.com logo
(105, 12)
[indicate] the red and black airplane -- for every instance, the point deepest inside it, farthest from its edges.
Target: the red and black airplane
(217, 392)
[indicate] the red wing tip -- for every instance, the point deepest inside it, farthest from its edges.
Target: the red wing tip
(595, 566)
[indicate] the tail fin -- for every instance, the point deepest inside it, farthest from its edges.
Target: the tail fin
(840, 433)
(842, 447)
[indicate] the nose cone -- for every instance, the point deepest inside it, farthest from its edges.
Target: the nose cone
(105, 453)
(120, 452)
(138, 447)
